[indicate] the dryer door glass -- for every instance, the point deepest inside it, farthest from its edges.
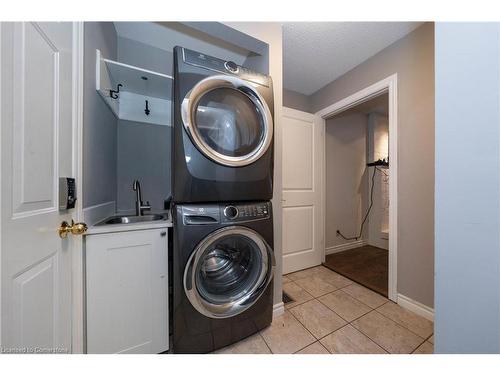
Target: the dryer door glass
(228, 272)
(229, 122)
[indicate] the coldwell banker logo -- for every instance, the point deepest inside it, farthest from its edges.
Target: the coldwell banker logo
(32, 350)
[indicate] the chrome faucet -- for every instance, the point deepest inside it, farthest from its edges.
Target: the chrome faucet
(139, 206)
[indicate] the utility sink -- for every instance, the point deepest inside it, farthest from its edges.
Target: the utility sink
(131, 219)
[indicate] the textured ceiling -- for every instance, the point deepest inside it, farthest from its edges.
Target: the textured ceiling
(316, 53)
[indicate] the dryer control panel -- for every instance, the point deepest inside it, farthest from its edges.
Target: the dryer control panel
(245, 212)
(202, 60)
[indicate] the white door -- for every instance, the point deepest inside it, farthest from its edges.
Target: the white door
(37, 118)
(303, 243)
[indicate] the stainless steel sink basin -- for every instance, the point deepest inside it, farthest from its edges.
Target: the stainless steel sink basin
(130, 219)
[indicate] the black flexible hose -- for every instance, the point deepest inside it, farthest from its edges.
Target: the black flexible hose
(367, 212)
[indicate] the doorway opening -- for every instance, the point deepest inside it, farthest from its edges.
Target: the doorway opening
(387, 171)
(357, 193)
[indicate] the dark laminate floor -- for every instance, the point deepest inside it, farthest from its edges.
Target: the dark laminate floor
(367, 265)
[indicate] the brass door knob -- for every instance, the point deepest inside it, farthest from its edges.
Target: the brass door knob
(74, 228)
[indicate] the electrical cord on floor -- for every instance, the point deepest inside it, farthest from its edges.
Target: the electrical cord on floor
(367, 212)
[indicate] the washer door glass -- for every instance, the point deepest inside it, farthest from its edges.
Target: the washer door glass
(229, 122)
(228, 272)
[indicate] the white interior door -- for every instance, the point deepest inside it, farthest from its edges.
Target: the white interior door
(37, 120)
(303, 245)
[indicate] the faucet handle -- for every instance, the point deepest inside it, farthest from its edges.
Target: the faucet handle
(146, 206)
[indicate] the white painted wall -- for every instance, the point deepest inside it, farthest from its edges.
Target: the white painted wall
(467, 199)
(346, 177)
(378, 148)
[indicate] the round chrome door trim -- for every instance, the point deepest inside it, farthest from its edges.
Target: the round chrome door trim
(188, 107)
(239, 305)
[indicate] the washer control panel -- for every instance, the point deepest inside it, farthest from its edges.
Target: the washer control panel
(231, 66)
(245, 212)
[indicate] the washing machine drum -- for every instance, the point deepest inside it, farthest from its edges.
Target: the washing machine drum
(227, 120)
(228, 272)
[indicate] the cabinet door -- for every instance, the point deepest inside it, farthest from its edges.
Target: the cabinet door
(127, 292)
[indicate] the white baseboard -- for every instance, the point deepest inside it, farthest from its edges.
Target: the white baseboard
(344, 246)
(278, 309)
(416, 307)
(94, 214)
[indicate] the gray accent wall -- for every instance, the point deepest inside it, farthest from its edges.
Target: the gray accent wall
(145, 56)
(143, 149)
(412, 58)
(143, 154)
(467, 312)
(99, 123)
(296, 100)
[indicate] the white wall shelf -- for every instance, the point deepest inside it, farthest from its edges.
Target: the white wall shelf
(138, 85)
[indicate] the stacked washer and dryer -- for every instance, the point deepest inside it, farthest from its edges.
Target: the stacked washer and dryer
(222, 184)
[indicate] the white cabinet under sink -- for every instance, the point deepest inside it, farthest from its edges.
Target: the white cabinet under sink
(127, 292)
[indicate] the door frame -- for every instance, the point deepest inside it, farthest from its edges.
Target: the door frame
(77, 257)
(1, 335)
(388, 85)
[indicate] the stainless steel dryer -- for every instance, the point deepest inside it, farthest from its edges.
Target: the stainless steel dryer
(223, 131)
(223, 265)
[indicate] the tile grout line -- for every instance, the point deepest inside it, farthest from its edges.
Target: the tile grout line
(345, 320)
(369, 338)
(297, 351)
(361, 316)
(349, 322)
(386, 299)
(326, 282)
(322, 337)
(373, 309)
(336, 290)
(391, 321)
(414, 350)
(314, 337)
(322, 295)
(265, 342)
(399, 324)
(319, 342)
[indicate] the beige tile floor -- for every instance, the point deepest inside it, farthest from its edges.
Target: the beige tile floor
(332, 314)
